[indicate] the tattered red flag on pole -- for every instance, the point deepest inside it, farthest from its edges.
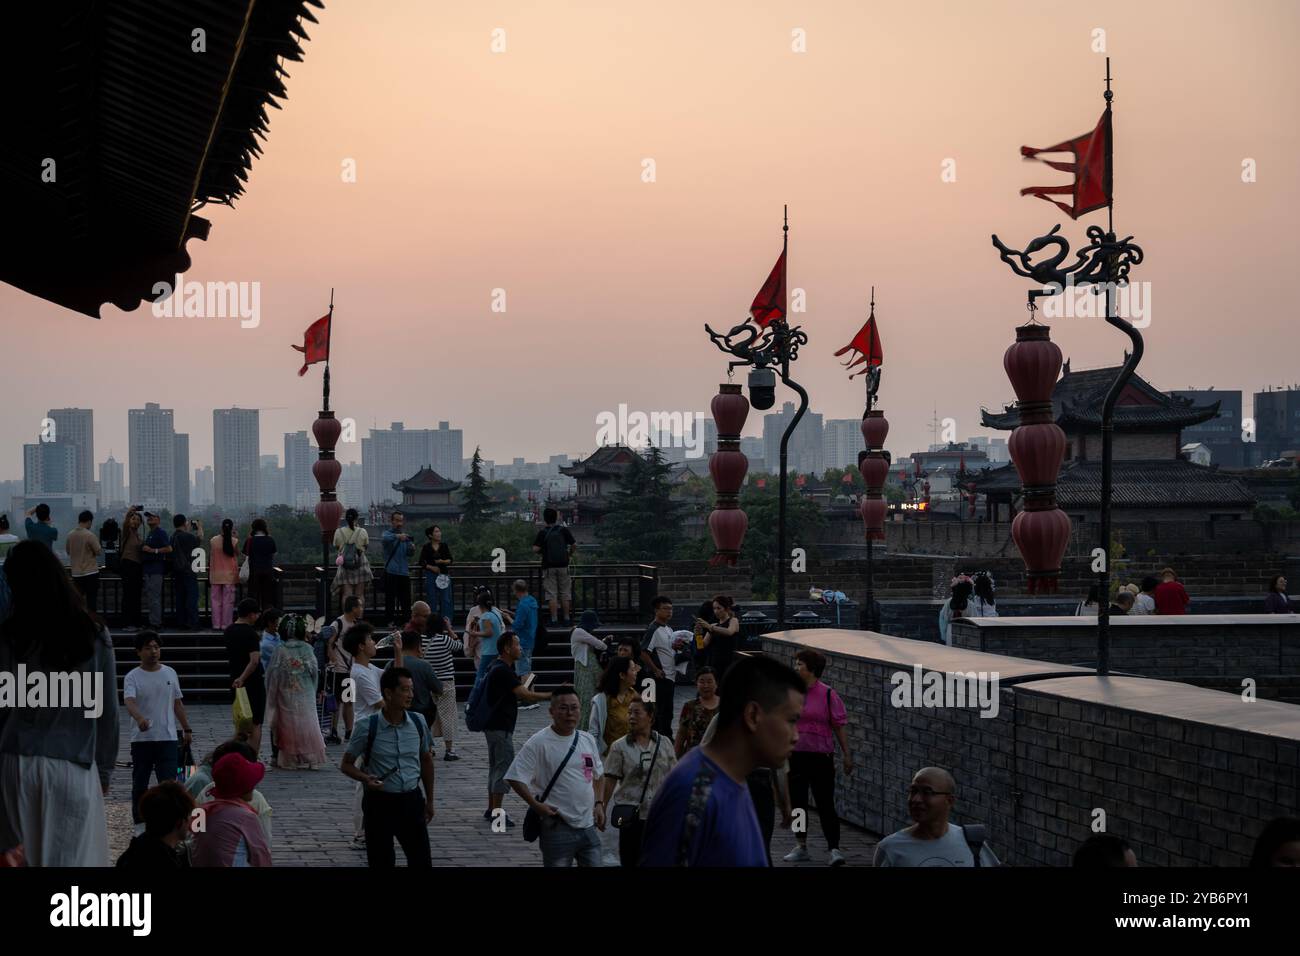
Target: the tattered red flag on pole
(315, 343)
(867, 346)
(1091, 189)
(769, 304)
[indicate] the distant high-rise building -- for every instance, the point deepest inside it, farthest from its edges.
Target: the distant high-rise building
(235, 466)
(76, 427)
(1277, 424)
(1221, 435)
(270, 481)
(841, 442)
(804, 453)
(752, 447)
(49, 468)
(396, 453)
(181, 459)
(299, 484)
(112, 483)
(710, 437)
(448, 450)
(349, 490)
(204, 489)
(995, 449)
(151, 451)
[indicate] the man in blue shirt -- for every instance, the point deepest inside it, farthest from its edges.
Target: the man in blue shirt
(42, 529)
(525, 626)
(394, 747)
(703, 814)
(157, 552)
(398, 548)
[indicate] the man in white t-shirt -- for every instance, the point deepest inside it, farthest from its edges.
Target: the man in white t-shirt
(153, 699)
(658, 656)
(362, 687)
(931, 840)
(574, 809)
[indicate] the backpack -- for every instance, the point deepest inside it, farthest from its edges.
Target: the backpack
(181, 557)
(555, 550)
(478, 711)
(372, 730)
(351, 556)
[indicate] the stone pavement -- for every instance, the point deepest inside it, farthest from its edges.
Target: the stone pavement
(312, 810)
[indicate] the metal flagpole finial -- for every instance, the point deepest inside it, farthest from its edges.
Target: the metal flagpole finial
(1108, 94)
(873, 301)
(785, 216)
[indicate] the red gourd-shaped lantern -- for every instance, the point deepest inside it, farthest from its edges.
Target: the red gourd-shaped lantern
(327, 470)
(875, 469)
(1041, 530)
(728, 466)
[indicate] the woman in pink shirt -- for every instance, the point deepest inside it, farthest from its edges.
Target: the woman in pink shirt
(812, 764)
(223, 575)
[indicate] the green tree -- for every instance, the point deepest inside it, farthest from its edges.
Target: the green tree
(476, 500)
(762, 506)
(643, 522)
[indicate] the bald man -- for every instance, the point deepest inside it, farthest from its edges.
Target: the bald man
(931, 840)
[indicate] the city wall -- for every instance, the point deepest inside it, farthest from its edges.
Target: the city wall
(1188, 776)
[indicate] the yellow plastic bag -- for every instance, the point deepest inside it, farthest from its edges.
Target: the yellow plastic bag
(241, 711)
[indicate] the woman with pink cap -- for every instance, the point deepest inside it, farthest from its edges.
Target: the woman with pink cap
(231, 834)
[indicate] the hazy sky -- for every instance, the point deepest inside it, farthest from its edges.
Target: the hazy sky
(523, 170)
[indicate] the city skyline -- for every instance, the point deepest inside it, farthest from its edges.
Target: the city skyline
(541, 195)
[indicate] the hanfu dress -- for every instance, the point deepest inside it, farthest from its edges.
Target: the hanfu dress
(291, 707)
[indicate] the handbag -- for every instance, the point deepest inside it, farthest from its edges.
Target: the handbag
(532, 820)
(441, 582)
(625, 814)
(243, 571)
(242, 709)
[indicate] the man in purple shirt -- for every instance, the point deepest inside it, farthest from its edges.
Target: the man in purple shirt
(703, 814)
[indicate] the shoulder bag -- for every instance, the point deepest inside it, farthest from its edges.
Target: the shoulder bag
(533, 820)
(625, 814)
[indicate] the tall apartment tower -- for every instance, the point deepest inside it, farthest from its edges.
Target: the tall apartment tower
(235, 465)
(181, 460)
(298, 479)
(112, 482)
(151, 438)
(76, 427)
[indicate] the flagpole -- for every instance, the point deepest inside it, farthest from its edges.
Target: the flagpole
(1116, 269)
(329, 331)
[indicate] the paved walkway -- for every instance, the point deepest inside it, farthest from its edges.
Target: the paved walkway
(312, 810)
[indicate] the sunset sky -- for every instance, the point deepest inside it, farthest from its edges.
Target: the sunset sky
(522, 170)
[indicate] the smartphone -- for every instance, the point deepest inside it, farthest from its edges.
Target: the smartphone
(528, 681)
(194, 526)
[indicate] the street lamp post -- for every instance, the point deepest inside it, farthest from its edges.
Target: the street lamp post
(769, 348)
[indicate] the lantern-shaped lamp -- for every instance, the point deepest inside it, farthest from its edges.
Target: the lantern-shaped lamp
(727, 467)
(1041, 531)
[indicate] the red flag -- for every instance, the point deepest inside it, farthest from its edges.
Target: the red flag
(867, 346)
(800, 481)
(760, 483)
(315, 343)
(769, 304)
(1091, 189)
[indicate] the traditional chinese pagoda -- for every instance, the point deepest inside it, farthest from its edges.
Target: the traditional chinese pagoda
(426, 496)
(1151, 480)
(597, 477)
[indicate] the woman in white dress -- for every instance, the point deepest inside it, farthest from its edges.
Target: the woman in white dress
(955, 606)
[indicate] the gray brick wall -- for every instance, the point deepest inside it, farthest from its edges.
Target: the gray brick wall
(1182, 793)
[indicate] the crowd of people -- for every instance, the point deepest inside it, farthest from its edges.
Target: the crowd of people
(608, 781)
